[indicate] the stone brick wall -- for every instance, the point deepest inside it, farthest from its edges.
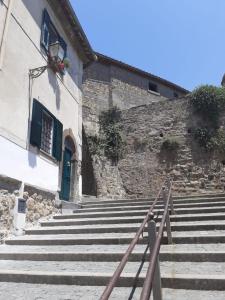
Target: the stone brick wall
(144, 165)
(107, 83)
(108, 179)
(7, 203)
(9, 190)
(105, 86)
(40, 204)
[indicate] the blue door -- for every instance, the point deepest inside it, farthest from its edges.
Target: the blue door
(66, 175)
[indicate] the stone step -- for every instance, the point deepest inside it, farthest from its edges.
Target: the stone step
(140, 212)
(132, 267)
(143, 206)
(210, 236)
(183, 281)
(130, 227)
(28, 291)
(148, 202)
(178, 256)
(131, 219)
(108, 249)
(127, 200)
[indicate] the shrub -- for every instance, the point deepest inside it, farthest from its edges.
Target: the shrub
(207, 101)
(204, 138)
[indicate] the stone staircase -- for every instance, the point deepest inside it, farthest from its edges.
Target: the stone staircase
(73, 256)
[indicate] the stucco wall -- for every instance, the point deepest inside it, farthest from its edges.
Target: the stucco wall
(62, 97)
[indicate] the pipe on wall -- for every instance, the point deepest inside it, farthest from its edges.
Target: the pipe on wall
(5, 30)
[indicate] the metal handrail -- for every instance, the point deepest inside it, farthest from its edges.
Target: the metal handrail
(112, 283)
(147, 287)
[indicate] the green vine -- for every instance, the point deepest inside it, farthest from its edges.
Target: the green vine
(95, 145)
(110, 129)
(110, 141)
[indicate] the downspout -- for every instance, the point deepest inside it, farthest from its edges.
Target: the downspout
(5, 30)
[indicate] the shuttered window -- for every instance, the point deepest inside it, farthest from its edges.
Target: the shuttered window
(46, 131)
(49, 34)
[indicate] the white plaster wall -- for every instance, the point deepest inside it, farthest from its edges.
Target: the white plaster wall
(2, 18)
(62, 97)
(24, 165)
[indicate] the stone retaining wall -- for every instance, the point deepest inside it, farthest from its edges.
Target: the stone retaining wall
(144, 165)
(40, 204)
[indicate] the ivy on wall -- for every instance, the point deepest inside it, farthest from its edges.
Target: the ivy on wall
(110, 141)
(207, 103)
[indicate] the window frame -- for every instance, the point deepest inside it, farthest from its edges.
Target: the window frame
(36, 131)
(153, 87)
(45, 112)
(46, 24)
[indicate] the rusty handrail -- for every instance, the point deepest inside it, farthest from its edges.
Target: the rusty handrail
(147, 287)
(112, 283)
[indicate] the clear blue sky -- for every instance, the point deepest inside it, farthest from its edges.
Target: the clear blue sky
(180, 40)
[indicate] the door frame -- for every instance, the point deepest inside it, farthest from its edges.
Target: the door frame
(69, 142)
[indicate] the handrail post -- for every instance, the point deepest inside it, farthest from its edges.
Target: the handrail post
(156, 284)
(168, 227)
(171, 205)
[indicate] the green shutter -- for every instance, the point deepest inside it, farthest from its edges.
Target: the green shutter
(57, 140)
(45, 30)
(36, 124)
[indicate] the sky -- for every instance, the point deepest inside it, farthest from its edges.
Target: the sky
(182, 41)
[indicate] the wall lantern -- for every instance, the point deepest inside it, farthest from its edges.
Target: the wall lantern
(56, 61)
(56, 52)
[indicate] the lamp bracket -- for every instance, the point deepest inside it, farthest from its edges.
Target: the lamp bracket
(35, 73)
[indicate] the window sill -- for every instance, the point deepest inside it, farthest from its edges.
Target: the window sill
(154, 93)
(48, 156)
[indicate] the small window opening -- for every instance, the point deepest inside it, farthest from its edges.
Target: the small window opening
(152, 87)
(175, 95)
(161, 134)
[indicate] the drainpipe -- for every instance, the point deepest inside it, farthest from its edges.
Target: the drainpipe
(5, 30)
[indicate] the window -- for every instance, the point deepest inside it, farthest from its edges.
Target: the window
(153, 87)
(46, 131)
(175, 95)
(49, 34)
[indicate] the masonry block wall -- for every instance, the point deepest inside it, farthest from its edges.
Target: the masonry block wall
(144, 166)
(107, 85)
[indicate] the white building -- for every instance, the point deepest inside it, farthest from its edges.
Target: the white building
(40, 113)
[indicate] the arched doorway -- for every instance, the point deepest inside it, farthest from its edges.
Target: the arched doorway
(69, 166)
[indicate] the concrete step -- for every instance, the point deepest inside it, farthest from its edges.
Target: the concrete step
(26, 291)
(132, 219)
(143, 206)
(71, 267)
(183, 281)
(129, 227)
(149, 201)
(178, 256)
(140, 212)
(108, 249)
(127, 200)
(210, 236)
